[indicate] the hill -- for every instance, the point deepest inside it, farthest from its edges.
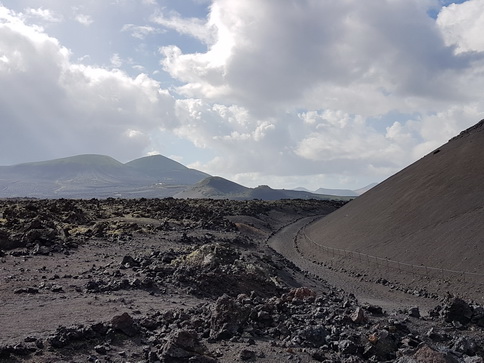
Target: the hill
(215, 188)
(429, 215)
(166, 170)
(96, 176)
(339, 192)
(76, 169)
(219, 188)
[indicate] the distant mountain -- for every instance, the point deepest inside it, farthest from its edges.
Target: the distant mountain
(340, 192)
(301, 189)
(365, 189)
(166, 170)
(219, 188)
(215, 188)
(76, 169)
(101, 176)
(97, 176)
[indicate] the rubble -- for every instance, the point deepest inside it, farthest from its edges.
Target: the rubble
(247, 303)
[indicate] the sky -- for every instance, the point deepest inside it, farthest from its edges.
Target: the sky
(286, 93)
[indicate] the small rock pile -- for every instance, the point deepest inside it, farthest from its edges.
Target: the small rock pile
(208, 270)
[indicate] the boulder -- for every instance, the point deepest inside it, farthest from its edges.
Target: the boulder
(125, 324)
(228, 318)
(458, 311)
(358, 316)
(246, 354)
(181, 346)
(427, 354)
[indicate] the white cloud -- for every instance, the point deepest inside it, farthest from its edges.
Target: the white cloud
(300, 92)
(51, 107)
(43, 14)
(308, 52)
(463, 25)
(140, 31)
(116, 60)
(345, 64)
(84, 19)
(347, 140)
(436, 129)
(193, 27)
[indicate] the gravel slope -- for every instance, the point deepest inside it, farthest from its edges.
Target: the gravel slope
(429, 215)
(287, 242)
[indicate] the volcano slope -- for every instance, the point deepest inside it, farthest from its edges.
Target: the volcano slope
(420, 229)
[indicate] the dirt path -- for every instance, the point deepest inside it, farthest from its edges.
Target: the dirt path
(367, 292)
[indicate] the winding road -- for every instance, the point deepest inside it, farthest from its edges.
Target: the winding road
(283, 242)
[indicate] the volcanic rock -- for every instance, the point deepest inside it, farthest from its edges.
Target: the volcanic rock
(228, 317)
(459, 311)
(182, 345)
(125, 324)
(427, 354)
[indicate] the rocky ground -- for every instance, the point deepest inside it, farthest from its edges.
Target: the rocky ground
(165, 280)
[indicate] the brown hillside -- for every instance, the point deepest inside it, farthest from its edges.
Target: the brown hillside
(431, 213)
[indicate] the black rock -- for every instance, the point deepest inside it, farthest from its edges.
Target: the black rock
(125, 324)
(458, 311)
(228, 317)
(347, 347)
(181, 345)
(246, 354)
(101, 349)
(414, 312)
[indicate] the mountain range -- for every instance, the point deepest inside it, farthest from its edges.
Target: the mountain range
(101, 176)
(220, 188)
(340, 192)
(97, 176)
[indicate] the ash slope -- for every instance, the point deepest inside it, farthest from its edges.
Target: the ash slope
(428, 214)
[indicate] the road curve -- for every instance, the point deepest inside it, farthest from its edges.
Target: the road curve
(283, 242)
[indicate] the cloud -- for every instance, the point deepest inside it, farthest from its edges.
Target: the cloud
(463, 25)
(140, 31)
(299, 93)
(329, 52)
(193, 27)
(44, 14)
(349, 66)
(51, 107)
(84, 19)
(116, 60)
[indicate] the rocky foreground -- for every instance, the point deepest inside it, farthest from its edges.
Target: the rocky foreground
(165, 280)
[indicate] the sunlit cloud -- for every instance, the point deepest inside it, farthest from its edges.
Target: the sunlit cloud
(463, 25)
(44, 14)
(296, 94)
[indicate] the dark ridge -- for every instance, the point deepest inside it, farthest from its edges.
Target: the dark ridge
(475, 128)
